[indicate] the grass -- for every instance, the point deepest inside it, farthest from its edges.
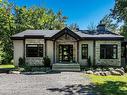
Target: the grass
(7, 66)
(110, 85)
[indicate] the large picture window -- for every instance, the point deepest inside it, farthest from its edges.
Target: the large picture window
(34, 50)
(108, 51)
(84, 51)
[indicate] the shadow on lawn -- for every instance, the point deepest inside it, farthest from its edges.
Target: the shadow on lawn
(108, 88)
(111, 88)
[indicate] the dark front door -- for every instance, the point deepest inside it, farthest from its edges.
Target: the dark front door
(65, 53)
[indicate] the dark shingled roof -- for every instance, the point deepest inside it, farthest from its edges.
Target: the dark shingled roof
(81, 33)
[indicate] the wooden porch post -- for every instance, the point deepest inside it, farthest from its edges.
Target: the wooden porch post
(94, 53)
(77, 51)
(45, 47)
(54, 51)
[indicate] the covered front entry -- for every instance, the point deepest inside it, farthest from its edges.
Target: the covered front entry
(65, 53)
(66, 47)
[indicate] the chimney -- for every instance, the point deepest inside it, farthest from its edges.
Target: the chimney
(101, 27)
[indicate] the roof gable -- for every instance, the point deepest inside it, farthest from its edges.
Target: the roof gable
(66, 31)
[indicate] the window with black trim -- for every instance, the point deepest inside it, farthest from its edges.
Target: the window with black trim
(108, 51)
(34, 50)
(84, 51)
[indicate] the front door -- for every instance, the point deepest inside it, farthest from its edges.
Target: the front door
(65, 53)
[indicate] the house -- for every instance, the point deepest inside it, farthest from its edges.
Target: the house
(67, 46)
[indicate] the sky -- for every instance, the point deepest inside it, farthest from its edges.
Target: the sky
(81, 12)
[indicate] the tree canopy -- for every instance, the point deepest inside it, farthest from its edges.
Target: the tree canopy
(119, 13)
(15, 19)
(109, 23)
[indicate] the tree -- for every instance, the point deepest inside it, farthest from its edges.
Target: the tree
(119, 12)
(109, 23)
(123, 30)
(6, 30)
(91, 26)
(73, 26)
(14, 19)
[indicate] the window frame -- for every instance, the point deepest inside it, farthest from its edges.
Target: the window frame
(82, 51)
(38, 55)
(116, 47)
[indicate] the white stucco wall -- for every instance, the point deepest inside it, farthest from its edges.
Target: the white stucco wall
(112, 62)
(18, 50)
(50, 50)
(90, 51)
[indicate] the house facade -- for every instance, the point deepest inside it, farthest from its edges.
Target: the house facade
(66, 46)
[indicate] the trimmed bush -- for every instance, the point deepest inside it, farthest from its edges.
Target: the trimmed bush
(46, 61)
(89, 62)
(21, 62)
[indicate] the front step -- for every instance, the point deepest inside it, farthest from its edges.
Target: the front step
(66, 67)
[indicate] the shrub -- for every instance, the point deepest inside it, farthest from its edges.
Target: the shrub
(21, 62)
(125, 69)
(46, 61)
(89, 61)
(27, 68)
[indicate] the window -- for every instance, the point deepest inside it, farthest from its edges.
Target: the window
(34, 50)
(84, 51)
(108, 51)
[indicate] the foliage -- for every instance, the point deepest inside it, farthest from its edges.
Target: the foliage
(73, 26)
(110, 85)
(123, 30)
(21, 62)
(91, 26)
(89, 62)
(6, 30)
(119, 12)
(15, 19)
(109, 23)
(47, 61)
(27, 68)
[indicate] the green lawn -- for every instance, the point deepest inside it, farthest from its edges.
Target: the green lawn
(109, 85)
(6, 66)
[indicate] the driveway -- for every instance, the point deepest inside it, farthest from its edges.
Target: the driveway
(64, 83)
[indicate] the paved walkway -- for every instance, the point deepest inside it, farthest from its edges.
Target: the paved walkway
(65, 83)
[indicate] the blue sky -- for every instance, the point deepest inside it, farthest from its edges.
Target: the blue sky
(82, 12)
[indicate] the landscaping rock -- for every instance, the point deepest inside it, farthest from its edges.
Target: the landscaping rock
(14, 72)
(115, 73)
(106, 73)
(96, 73)
(102, 73)
(89, 72)
(121, 71)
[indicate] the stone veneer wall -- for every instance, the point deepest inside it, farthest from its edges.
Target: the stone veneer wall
(108, 62)
(35, 61)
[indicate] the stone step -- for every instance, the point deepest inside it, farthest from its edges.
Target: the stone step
(66, 67)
